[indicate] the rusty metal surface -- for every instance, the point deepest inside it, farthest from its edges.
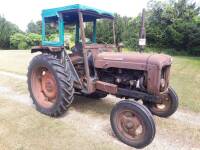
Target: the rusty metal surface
(130, 125)
(131, 60)
(106, 87)
(49, 87)
(44, 87)
(101, 47)
(165, 105)
(151, 63)
(90, 84)
(153, 79)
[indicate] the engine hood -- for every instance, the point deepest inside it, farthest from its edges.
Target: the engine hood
(131, 60)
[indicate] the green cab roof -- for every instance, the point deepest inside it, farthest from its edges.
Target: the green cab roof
(75, 8)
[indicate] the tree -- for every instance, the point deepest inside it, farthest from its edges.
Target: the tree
(126, 31)
(6, 30)
(34, 27)
(174, 24)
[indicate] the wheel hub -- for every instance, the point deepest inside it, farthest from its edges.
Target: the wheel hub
(129, 124)
(44, 87)
(49, 85)
(165, 103)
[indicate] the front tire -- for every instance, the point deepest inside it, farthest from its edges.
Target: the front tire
(50, 85)
(132, 124)
(168, 106)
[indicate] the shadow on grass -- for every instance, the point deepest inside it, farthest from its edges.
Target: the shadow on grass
(93, 106)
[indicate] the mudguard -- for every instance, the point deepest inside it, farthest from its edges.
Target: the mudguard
(66, 59)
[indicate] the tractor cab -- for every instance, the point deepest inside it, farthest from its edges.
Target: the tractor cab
(55, 22)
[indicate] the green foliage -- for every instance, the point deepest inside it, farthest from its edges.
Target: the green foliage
(126, 31)
(6, 30)
(169, 24)
(34, 39)
(104, 31)
(25, 41)
(34, 27)
(174, 24)
(19, 41)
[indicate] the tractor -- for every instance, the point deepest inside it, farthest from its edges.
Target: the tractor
(92, 69)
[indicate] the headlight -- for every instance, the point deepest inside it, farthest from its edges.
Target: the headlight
(162, 85)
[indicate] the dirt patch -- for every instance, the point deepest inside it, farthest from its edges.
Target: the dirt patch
(187, 117)
(13, 75)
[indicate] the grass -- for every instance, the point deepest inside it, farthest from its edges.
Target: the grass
(24, 128)
(185, 78)
(185, 75)
(17, 85)
(15, 60)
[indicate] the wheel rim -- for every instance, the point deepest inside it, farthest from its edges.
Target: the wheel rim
(130, 125)
(44, 87)
(165, 105)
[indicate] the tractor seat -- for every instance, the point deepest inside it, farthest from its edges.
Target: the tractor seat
(77, 49)
(76, 59)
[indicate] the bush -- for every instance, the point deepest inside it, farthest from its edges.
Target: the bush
(35, 39)
(24, 41)
(22, 45)
(18, 41)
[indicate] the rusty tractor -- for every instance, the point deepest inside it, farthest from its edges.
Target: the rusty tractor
(96, 70)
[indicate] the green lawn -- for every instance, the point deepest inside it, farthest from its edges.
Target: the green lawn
(185, 75)
(185, 78)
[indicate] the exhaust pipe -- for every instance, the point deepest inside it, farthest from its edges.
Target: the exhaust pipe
(142, 34)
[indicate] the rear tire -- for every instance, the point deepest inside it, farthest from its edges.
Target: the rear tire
(132, 124)
(50, 85)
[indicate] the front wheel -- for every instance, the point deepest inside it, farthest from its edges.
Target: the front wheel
(132, 123)
(168, 106)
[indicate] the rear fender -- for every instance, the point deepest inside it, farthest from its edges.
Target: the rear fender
(61, 53)
(75, 77)
(46, 49)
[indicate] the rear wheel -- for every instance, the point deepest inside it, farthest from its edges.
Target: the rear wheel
(132, 123)
(168, 106)
(50, 85)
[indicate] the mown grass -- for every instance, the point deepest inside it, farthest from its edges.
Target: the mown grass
(15, 60)
(185, 74)
(85, 125)
(24, 128)
(185, 78)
